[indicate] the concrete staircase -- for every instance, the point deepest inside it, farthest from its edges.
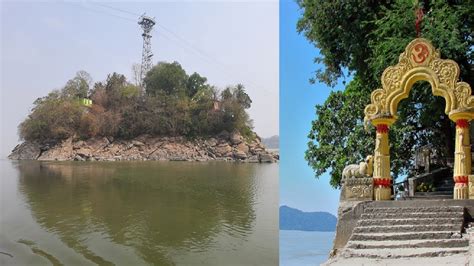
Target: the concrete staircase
(404, 232)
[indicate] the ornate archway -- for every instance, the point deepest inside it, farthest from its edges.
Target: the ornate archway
(420, 61)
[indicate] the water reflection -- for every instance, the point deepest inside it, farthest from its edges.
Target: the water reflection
(145, 209)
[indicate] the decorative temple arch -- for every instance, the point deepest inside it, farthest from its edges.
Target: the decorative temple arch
(421, 61)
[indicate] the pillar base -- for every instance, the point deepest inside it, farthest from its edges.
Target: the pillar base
(461, 188)
(382, 193)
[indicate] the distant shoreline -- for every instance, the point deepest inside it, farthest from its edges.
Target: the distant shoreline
(292, 219)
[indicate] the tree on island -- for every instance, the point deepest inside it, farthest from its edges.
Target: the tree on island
(172, 104)
(364, 38)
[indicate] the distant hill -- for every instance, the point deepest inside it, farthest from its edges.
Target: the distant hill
(272, 142)
(294, 219)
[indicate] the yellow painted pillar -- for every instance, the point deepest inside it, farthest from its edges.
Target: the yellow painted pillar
(462, 158)
(382, 178)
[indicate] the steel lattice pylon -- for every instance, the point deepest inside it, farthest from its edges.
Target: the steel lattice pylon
(147, 24)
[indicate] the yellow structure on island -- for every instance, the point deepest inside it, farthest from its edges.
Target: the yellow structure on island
(421, 62)
(86, 102)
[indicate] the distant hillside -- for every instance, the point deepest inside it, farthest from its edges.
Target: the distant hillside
(294, 219)
(272, 142)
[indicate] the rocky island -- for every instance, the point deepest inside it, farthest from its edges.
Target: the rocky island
(223, 147)
(170, 116)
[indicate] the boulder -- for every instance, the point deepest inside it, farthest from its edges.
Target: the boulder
(223, 135)
(242, 147)
(222, 149)
(211, 142)
(253, 159)
(79, 158)
(25, 151)
(178, 158)
(257, 151)
(236, 138)
(138, 143)
(98, 143)
(240, 155)
(60, 152)
(84, 152)
(265, 158)
(78, 144)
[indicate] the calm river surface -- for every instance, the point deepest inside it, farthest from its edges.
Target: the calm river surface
(135, 213)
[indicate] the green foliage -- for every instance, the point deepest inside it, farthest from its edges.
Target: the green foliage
(167, 78)
(425, 187)
(195, 83)
(338, 139)
(234, 101)
(365, 38)
(120, 109)
(53, 118)
(78, 87)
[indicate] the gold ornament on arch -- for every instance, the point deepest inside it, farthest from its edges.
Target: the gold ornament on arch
(421, 61)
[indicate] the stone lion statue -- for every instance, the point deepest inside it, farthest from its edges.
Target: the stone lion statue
(363, 169)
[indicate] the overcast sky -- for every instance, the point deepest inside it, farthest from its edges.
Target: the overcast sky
(45, 44)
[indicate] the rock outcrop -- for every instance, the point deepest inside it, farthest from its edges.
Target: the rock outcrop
(26, 151)
(225, 147)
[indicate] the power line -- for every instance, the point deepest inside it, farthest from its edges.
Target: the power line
(101, 12)
(197, 50)
(117, 9)
(187, 44)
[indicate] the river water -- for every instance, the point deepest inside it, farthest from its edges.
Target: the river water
(136, 213)
(304, 248)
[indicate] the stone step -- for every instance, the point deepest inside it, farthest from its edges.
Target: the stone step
(436, 197)
(445, 180)
(414, 209)
(409, 228)
(441, 243)
(434, 215)
(434, 193)
(432, 197)
(445, 187)
(404, 236)
(411, 221)
(403, 252)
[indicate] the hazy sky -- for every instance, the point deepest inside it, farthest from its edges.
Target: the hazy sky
(45, 44)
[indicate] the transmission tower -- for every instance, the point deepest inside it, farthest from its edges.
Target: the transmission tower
(147, 24)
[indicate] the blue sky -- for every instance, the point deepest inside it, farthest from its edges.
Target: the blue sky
(298, 186)
(43, 44)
